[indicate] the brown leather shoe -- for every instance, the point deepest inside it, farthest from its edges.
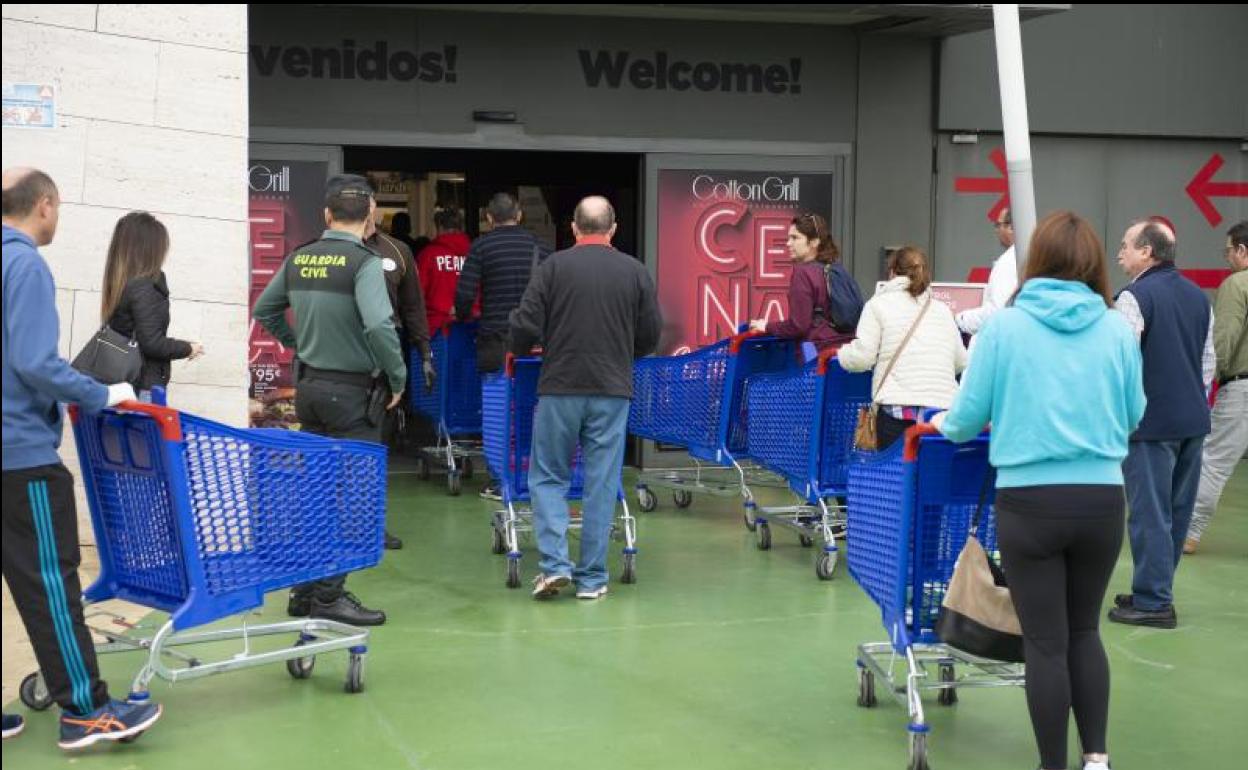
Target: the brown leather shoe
(1190, 546)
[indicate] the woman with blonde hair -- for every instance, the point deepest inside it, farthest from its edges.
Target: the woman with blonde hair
(136, 296)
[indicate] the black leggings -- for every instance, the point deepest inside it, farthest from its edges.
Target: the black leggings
(1059, 545)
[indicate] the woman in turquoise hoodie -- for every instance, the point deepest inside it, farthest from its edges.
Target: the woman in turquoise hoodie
(1058, 376)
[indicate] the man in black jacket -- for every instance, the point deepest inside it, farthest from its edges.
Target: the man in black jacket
(403, 286)
(594, 310)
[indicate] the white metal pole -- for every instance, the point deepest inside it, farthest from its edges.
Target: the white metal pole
(1017, 131)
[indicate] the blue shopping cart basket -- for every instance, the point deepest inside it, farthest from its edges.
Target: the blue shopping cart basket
(697, 401)
(510, 405)
(801, 426)
(454, 404)
(910, 513)
(200, 519)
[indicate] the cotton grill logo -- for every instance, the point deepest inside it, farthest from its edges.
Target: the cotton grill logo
(263, 179)
(773, 189)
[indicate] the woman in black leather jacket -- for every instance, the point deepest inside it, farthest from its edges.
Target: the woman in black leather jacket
(136, 297)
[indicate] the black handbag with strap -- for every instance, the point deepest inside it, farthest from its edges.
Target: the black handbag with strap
(111, 358)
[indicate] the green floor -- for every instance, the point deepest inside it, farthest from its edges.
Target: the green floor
(721, 656)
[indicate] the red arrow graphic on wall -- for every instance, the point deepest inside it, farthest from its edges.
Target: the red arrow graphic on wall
(1202, 188)
(994, 185)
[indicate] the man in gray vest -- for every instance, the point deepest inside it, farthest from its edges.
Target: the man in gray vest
(1173, 321)
(347, 349)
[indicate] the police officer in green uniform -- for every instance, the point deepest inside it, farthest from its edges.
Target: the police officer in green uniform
(350, 366)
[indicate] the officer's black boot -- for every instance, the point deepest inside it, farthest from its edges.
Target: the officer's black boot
(300, 604)
(347, 609)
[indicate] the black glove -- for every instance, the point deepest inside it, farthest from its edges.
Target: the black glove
(431, 376)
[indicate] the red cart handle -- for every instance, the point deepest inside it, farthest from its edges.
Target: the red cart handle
(912, 439)
(825, 356)
(738, 340)
(169, 420)
(509, 361)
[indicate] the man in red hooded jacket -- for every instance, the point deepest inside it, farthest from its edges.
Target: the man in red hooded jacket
(439, 265)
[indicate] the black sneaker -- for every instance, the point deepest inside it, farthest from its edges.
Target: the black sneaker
(347, 609)
(1130, 616)
(1125, 601)
(392, 542)
(299, 605)
(13, 724)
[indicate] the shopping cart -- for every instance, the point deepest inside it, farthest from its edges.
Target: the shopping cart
(510, 403)
(201, 520)
(801, 426)
(697, 401)
(910, 512)
(454, 404)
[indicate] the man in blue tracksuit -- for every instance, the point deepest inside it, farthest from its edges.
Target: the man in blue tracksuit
(40, 540)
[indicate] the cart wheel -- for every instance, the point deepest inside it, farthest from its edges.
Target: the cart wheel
(454, 484)
(301, 668)
(866, 688)
(467, 468)
(750, 523)
(948, 695)
(825, 567)
(806, 540)
(423, 470)
(683, 498)
(646, 500)
(764, 536)
(355, 674)
(34, 692)
(500, 542)
(630, 569)
(513, 573)
(918, 752)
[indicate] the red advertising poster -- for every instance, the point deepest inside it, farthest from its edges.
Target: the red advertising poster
(286, 204)
(723, 255)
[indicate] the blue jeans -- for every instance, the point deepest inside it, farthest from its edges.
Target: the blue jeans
(598, 424)
(1161, 481)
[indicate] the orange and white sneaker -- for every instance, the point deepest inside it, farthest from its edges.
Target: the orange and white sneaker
(114, 721)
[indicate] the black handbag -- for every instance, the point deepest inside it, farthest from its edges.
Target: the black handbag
(111, 358)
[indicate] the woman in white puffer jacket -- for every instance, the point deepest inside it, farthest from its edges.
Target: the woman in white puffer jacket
(924, 375)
